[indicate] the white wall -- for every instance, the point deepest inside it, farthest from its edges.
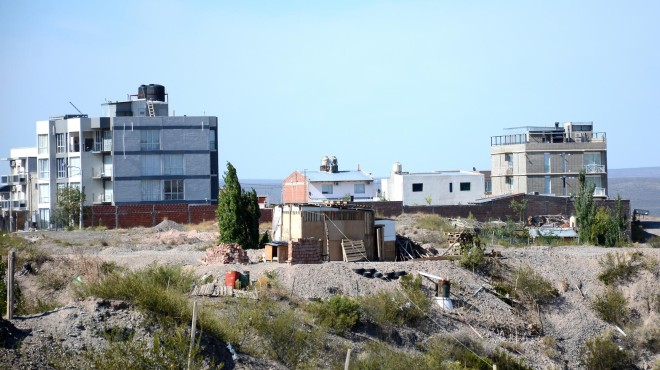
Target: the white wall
(340, 190)
(435, 186)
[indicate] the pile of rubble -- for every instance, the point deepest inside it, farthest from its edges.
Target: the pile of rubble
(226, 253)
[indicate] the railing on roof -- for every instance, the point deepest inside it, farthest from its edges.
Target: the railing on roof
(547, 137)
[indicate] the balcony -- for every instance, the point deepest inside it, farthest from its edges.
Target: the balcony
(102, 173)
(13, 179)
(16, 204)
(503, 171)
(600, 192)
(594, 168)
(102, 146)
(102, 198)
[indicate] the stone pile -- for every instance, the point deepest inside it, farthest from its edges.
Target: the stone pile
(225, 254)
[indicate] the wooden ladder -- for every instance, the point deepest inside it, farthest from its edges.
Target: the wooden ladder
(150, 105)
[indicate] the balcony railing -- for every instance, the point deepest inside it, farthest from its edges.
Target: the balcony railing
(594, 168)
(16, 204)
(13, 179)
(103, 172)
(102, 146)
(549, 137)
(600, 192)
(503, 171)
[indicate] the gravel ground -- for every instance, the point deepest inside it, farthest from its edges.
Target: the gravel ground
(568, 319)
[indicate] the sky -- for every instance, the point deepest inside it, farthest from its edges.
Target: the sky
(423, 83)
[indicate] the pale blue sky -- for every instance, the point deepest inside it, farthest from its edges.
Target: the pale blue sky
(425, 83)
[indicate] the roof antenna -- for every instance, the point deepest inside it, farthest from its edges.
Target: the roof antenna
(76, 108)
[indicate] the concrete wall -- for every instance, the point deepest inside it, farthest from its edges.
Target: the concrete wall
(435, 187)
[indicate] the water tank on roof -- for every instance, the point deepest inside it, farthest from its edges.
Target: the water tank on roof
(151, 92)
(396, 168)
(325, 163)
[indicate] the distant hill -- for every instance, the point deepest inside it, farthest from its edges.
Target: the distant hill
(640, 185)
(650, 172)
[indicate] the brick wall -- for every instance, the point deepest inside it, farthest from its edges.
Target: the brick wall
(304, 250)
(495, 209)
(147, 215)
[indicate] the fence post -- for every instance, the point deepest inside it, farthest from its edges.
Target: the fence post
(11, 258)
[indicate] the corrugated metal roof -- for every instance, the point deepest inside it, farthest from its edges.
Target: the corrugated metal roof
(318, 176)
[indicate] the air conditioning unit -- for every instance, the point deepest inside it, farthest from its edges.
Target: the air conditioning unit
(17, 188)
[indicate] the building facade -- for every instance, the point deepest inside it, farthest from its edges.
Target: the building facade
(548, 160)
(328, 184)
(135, 154)
(18, 200)
(432, 188)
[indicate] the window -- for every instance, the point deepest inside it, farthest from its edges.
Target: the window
(547, 185)
(61, 168)
(465, 186)
(44, 218)
(358, 189)
(546, 162)
(173, 164)
(173, 189)
(60, 189)
(417, 187)
(150, 165)
(150, 139)
(44, 193)
(74, 167)
(44, 169)
(212, 136)
(60, 141)
(150, 190)
(42, 143)
(326, 189)
(508, 158)
(451, 187)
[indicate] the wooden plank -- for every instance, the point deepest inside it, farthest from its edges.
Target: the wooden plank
(353, 250)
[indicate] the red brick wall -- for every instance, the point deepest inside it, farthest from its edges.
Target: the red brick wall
(147, 215)
(292, 192)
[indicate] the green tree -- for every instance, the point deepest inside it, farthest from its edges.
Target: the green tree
(585, 208)
(519, 207)
(238, 212)
(68, 203)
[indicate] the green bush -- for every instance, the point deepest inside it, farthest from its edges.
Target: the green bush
(611, 306)
(405, 305)
(654, 242)
(472, 258)
(339, 313)
(602, 354)
(378, 355)
(463, 353)
(168, 350)
(434, 223)
(157, 289)
(532, 286)
(619, 268)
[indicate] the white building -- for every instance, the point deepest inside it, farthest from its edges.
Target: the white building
(432, 188)
(328, 184)
(18, 193)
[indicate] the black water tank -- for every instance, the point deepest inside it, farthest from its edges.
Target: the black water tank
(142, 91)
(152, 92)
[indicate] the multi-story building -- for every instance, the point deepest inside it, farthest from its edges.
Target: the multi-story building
(17, 195)
(548, 160)
(134, 154)
(432, 188)
(328, 184)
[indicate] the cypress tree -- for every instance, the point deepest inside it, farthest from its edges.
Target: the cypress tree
(238, 212)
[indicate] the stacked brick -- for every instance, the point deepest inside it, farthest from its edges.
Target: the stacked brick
(225, 254)
(304, 250)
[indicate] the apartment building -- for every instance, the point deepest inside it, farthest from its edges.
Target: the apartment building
(135, 153)
(18, 203)
(548, 160)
